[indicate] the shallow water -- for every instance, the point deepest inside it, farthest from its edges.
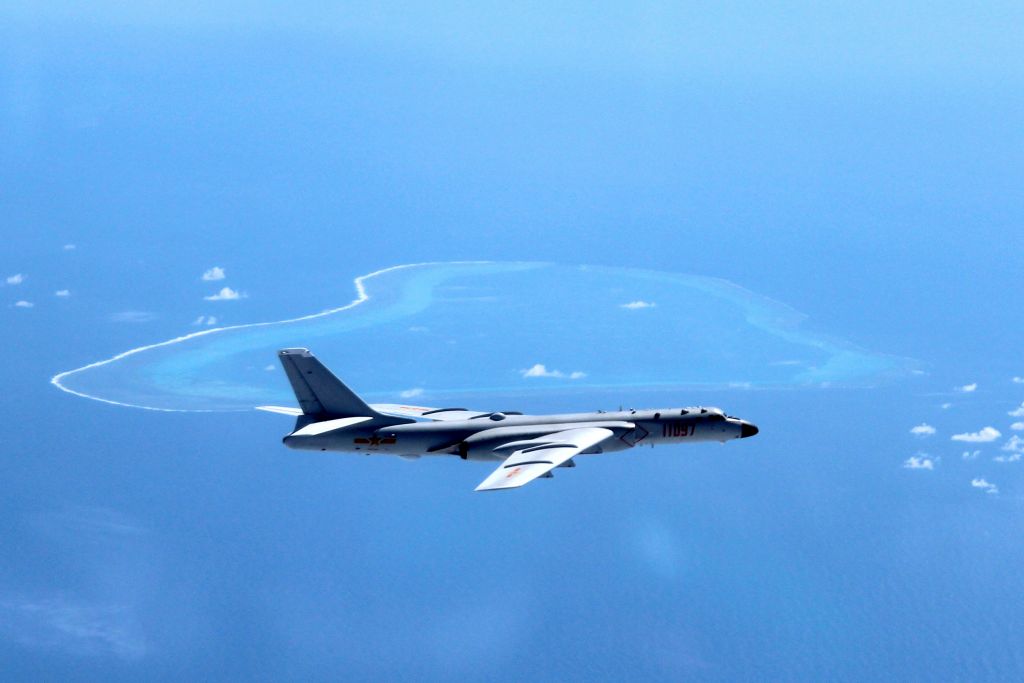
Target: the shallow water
(428, 332)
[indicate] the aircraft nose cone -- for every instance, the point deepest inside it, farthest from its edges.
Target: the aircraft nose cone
(747, 429)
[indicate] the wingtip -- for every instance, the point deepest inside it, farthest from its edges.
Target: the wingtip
(491, 484)
(501, 485)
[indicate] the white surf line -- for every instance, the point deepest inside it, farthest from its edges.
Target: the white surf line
(361, 297)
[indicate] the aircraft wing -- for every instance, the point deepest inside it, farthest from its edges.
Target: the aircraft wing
(534, 458)
(294, 412)
(427, 413)
(400, 411)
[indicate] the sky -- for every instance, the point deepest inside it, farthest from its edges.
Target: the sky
(170, 168)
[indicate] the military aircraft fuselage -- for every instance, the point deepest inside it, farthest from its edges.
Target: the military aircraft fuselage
(492, 436)
(331, 417)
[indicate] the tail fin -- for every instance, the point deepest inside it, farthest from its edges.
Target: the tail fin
(321, 395)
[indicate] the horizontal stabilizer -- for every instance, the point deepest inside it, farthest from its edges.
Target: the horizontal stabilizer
(317, 428)
(294, 412)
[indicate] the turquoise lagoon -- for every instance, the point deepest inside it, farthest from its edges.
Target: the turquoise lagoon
(439, 332)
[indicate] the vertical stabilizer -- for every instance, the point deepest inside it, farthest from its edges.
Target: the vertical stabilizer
(321, 395)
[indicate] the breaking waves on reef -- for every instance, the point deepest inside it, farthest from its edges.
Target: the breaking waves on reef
(439, 331)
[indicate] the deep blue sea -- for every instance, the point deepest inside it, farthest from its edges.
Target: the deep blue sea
(810, 218)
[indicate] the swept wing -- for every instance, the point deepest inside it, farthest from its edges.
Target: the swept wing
(533, 458)
(399, 411)
(427, 413)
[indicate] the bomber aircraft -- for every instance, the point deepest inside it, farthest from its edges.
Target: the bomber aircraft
(330, 417)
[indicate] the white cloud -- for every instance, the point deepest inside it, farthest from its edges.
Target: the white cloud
(984, 436)
(980, 483)
(634, 305)
(1017, 426)
(225, 294)
(270, 368)
(1013, 457)
(70, 247)
(419, 328)
(919, 462)
(946, 406)
(1018, 380)
(215, 273)
(411, 393)
(1014, 445)
(133, 316)
(970, 455)
(15, 279)
(205, 320)
(923, 429)
(968, 388)
(62, 292)
(540, 370)
(24, 304)
(1017, 412)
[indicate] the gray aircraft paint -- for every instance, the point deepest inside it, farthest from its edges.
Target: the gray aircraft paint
(334, 418)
